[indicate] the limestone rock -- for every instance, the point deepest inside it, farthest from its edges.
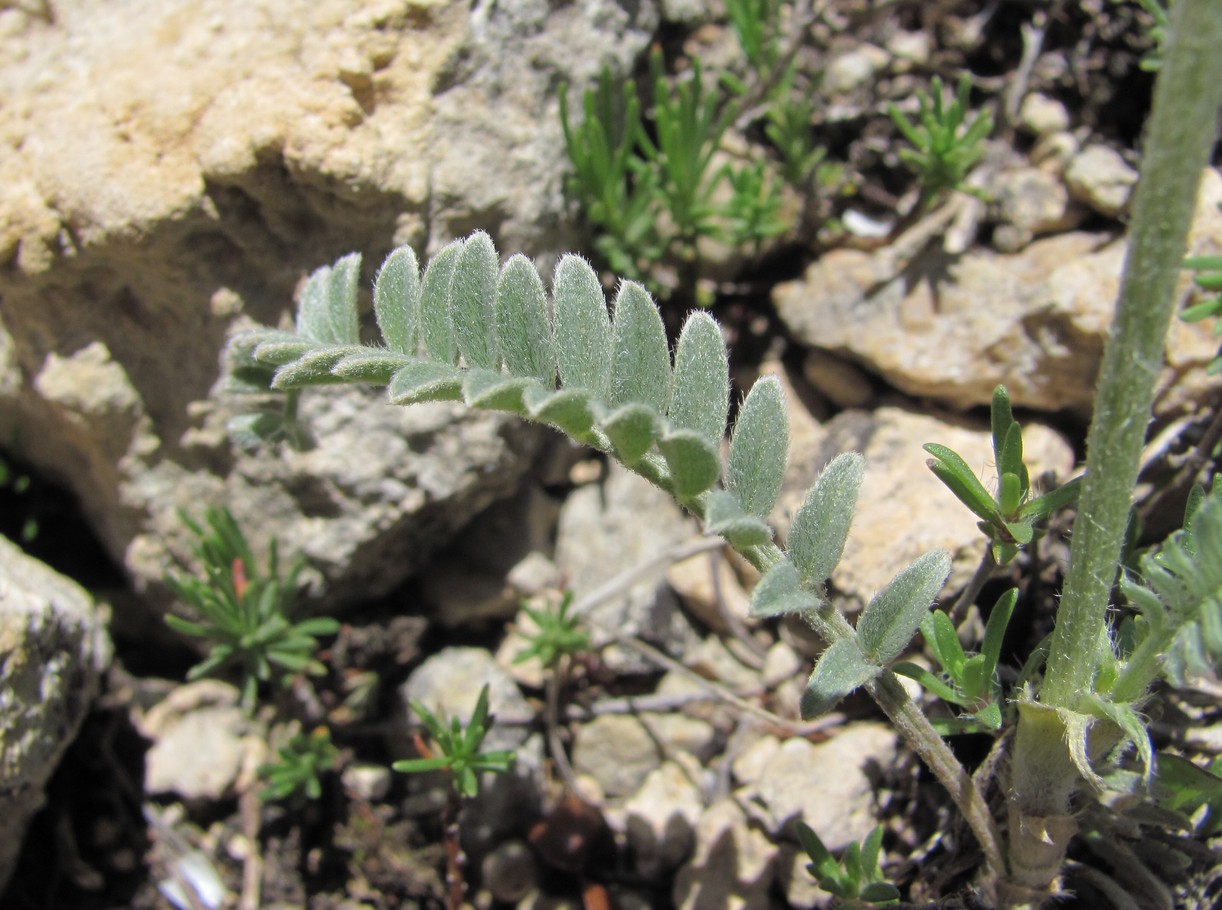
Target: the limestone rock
(830, 786)
(609, 529)
(662, 814)
(202, 742)
(616, 750)
(733, 867)
(1101, 178)
(168, 169)
(1030, 202)
(952, 328)
(53, 651)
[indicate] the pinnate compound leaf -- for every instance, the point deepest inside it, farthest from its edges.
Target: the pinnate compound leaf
(632, 430)
(396, 300)
(820, 528)
(425, 381)
(640, 370)
(780, 592)
(473, 302)
(435, 328)
(758, 447)
(725, 516)
(583, 328)
(522, 324)
(840, 669)
(328, 303)
(694, 464)
(891, 619)
(701, 397)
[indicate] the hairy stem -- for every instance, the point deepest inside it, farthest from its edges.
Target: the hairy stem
(1180, 133)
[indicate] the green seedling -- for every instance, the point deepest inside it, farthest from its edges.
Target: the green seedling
(755, 25)
(969, 681)
(300, 763)
(1008, 518)
(557, 635)
(455, 748)
(1157, 32)
(1208, 278)
(615, 189)
(856, 877)
(753, 212)
(244, 613)
(945, 146)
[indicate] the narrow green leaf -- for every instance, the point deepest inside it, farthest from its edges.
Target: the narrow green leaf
(880, 893)
(583, 328)
(726, 517)
(416, 765)
(523, 327)
(995, 628)
(569, 410)
(1001, 419)
(496, 391)
(701, 397)
(435, 328)
(953, 471)
(891, 619)
(313, 368)
(1009, 493)
(328, 303)
(758, 448)
(425, 381)
(1011, 458)
(943, 640)
(632, 430)
(928, 681)
(279, 351)
(821, 527)
(473, 302)
(694, 463)
(780, 592)
(396, 300)
(372, 365)
(1052, 501)
(640, 370)
(840, 669)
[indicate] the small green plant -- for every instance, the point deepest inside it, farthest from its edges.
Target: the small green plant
(300, 762)
(243, 612)
(1159, 21)
(945, 146)
(557, 635)
(856, 877)
(455, 748)
(969, 681)
(1008, 518)
(1208, 278)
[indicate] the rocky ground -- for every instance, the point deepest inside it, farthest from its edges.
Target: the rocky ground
(168, 176)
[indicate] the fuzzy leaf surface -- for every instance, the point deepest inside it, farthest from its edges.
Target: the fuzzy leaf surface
(891, 619)
(780, 592)
(328, 303)
(821, 527)
(472, 302)
(701, 397)
(726, 516)
(633, 429)
(425, 381)
(435, 328)
(583, 328)
(396, 300)
(840, 669)
(522, 324)
(640, 370)
(694, 464)
(758, 448)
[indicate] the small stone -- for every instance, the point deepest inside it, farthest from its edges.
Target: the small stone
(749, 764)
(781, 663)
(1041, 115)
(1031, 201)
(617, 751)
(842, 383)
(661, 816)
(733, 867)
(509, 871)
(909, 49)
(1101, 178)
(709, 590)
(202, 741)
(367, 782)
(849, 71)
(837, 800)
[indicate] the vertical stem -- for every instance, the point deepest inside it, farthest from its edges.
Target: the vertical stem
(1179, 136)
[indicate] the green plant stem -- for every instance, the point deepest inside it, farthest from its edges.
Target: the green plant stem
(1180, 134)
(456, 887)
(984, 570)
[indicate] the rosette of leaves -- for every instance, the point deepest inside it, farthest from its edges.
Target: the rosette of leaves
(299, 763)
(243, 612)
